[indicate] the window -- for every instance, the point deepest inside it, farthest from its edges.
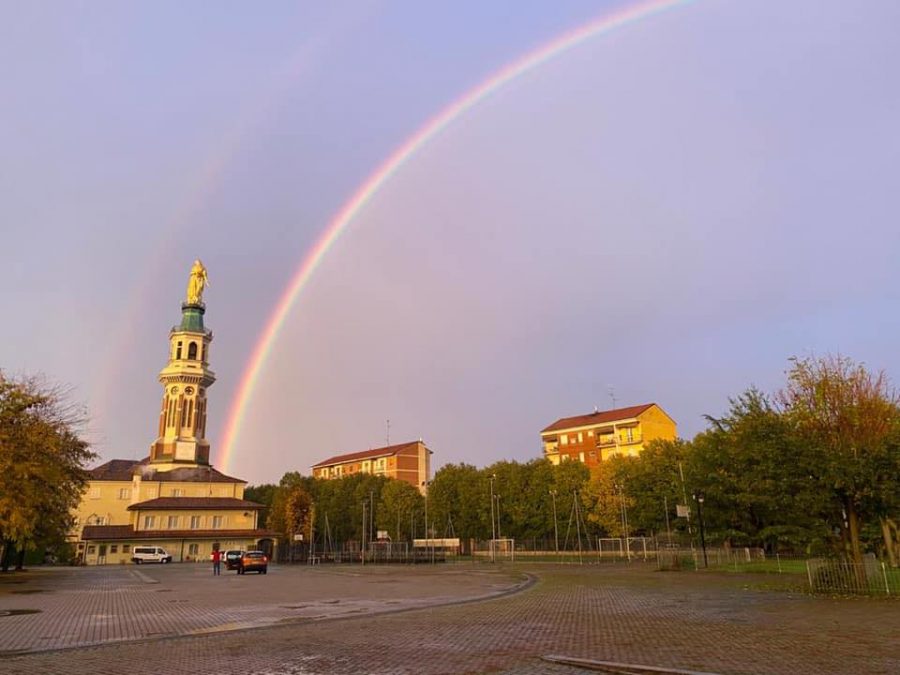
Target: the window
(126, 548)
(193, 549)
(124, 493)
(192, 351)
(629, 434)
(177, 492)
(590, 434)
(149, 522)
(581, 456)
(95, 493)
(114, 548)
(580, 437)
(217, 522)
(195, 522)
(173, 522)
(92, 549)
(178, 351)
(564, 439)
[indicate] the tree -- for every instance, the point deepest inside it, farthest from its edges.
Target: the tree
(849, 414)
(42, 464)
(399, 502)
(262, 494)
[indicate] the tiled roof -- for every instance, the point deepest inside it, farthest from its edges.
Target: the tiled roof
(597, 417)
(367, 454)
(116, 469)
(123, 469)
(196, 503)
(120, 532)
(187, 474)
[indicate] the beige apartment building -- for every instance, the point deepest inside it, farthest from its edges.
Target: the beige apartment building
(599, 435)
(409, 462)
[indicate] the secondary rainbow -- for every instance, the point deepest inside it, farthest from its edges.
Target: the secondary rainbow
(388, 168)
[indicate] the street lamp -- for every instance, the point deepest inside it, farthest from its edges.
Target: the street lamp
(425, 484)
(493, 524)
(555, 524)
(699, 499)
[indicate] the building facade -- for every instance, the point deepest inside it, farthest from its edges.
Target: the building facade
(409, 462)
(173, 498)
(599, 435)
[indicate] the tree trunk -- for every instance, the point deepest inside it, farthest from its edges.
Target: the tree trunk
(20, 560)
(853, 526)
(887, 530)
(7, 553)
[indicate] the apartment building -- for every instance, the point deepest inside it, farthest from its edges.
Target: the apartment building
(409, 462)
(599, 435)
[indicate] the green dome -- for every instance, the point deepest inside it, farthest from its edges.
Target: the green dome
(192, 318)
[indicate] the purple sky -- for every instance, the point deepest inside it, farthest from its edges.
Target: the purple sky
(671, 210)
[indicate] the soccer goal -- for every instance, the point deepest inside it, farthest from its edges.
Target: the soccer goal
(503, 549)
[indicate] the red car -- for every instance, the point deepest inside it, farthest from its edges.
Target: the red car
(253, 561)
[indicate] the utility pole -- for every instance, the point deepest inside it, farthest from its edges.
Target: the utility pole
(699, 498)
(493, 529)
(612, 395)
(555, 524)
(362, 550)
(684, 496)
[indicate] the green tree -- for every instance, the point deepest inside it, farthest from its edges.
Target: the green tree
(849, 415)
(42, 464)
(262, 494)
(397, 507)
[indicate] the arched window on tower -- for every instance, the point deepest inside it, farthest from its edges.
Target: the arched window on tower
(192, 351)
(202, 351)
(178, 351)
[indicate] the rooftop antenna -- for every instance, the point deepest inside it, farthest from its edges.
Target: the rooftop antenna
(388, 438)
(612, 395)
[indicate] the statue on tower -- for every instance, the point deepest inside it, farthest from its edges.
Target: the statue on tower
(196, 283)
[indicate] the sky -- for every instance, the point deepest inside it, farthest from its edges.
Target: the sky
(669, 212)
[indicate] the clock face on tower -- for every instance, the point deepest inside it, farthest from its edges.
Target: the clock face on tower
(184, 450)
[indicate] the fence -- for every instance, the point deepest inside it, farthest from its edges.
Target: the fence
(870, 577)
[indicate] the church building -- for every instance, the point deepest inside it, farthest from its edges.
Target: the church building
(174, 498)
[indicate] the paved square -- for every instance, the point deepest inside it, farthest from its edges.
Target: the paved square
(326, 620)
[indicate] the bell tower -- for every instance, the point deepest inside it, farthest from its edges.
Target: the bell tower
(185, 379)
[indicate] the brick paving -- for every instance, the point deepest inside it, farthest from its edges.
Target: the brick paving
(713, 622)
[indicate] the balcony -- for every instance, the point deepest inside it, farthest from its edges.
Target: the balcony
(611, 442)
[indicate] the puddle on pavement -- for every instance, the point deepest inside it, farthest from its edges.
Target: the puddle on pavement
(17, 612)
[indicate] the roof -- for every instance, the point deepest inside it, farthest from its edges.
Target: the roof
(187, 474)
(368, 454)
(120, 532)
(116, 469)
(123, 470)
(598, 417)
(182, 503)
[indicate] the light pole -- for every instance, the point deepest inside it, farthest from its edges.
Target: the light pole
(699, 498)
(493, 528)
(428, 539)
(555, 523)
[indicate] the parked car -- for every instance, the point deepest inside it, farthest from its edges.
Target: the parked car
(254, 561)
(233, 560)
(150, 554)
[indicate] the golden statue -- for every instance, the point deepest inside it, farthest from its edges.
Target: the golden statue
(196, 283)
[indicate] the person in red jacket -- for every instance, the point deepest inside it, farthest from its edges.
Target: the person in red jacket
(217, 561)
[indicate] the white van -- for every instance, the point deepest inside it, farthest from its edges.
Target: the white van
(150, 554)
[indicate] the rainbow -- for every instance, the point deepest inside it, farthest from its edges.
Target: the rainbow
(388, 168)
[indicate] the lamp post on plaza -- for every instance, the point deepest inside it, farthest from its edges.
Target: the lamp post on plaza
(555, 523)
(493, 528)
(427, 538)
(699, 498)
